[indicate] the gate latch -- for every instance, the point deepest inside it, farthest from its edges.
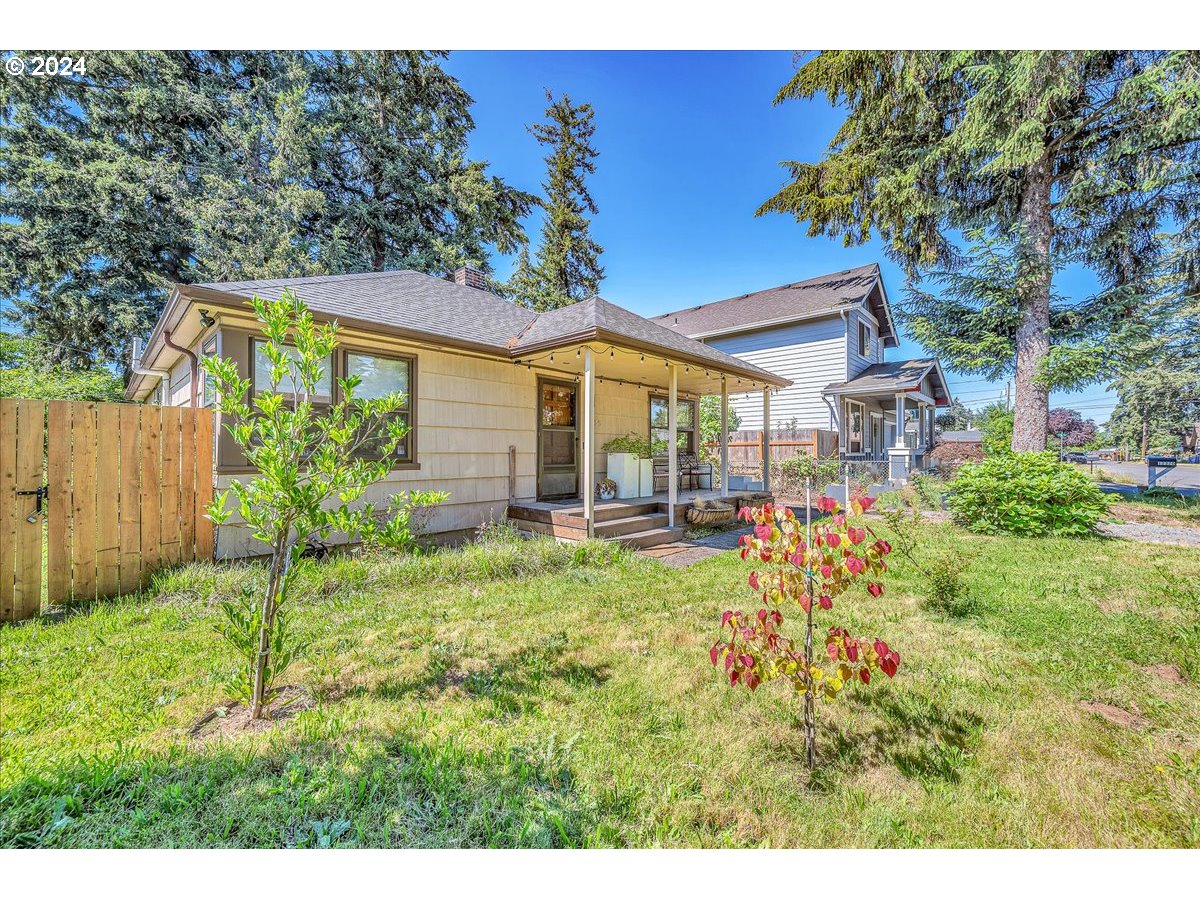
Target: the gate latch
(41, 493)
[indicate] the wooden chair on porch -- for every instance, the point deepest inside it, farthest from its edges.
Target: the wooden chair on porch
(689, 470)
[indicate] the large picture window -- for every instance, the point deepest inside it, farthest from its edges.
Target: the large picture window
(380, 376)
(290, 385)
(685, 425)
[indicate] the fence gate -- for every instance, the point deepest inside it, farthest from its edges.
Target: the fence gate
(94, 497)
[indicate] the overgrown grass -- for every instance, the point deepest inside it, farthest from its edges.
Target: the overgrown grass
(561, 696)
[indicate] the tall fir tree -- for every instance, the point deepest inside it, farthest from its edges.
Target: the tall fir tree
(178, 167)
(1048, 159)
(400, 190)
(566, 268)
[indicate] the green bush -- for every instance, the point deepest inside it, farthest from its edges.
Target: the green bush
(1026, 494)
(629, 443)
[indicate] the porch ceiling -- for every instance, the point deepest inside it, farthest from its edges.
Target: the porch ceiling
(617, 364)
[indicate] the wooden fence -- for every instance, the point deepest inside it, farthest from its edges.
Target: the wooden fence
(745, 447)
(94, 497)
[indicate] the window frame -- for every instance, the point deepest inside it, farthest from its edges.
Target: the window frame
(693, 431)
(862, 409)
(864, 339)
(409, 459)
(209, 347)
(255, 390)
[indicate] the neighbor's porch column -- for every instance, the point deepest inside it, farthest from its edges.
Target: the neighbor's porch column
(766, 443)
(921, 418)
(672, 446)
(899, 420)
(589, 441)
(724, 436)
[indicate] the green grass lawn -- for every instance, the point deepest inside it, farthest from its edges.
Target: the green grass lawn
(549, 696)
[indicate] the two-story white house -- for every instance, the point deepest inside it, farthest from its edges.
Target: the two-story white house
(828, 336)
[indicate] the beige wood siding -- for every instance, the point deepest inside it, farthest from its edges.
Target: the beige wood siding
(468, 412)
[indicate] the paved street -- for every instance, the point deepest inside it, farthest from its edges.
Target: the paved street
(1185, 477)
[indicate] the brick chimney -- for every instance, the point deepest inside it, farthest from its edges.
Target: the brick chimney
(469, 277)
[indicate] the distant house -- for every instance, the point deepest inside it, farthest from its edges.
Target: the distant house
(961, 437)
(508, 408)
(828, 337)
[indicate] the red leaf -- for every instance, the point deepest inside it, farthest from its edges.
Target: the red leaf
(864, 675)
(866, 502)
(725, 617)
(874, 588)
(833, 539)
(714, 653)
(826, 601)
(832, 650)
(734, 674)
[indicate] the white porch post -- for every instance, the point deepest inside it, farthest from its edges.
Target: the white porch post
(724, 436)
(899, 420)
(766, 443)
(672, 447)
(589, 440)
(921, 418)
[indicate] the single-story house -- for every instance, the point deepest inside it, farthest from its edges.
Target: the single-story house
(508, 408)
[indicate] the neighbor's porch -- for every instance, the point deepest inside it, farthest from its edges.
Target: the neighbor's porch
(870, 444)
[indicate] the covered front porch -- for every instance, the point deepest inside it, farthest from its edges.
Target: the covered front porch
(885, 417)
(615, 378)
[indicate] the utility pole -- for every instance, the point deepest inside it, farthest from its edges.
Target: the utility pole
(1008, 395)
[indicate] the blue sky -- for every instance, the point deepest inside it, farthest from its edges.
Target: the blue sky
(690, 145)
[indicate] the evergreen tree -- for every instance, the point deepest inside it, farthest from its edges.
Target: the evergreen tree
(567, 266)
(956, 417)
(179, 167)
(400, 191)
(1049, 158)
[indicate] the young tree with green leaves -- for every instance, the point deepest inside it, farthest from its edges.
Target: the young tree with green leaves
(311, 476)
(566, 268)
(1044, 158)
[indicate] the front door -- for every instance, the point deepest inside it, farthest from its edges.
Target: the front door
(558, 439)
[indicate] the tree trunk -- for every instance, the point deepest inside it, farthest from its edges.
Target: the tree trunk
(259, 688)
(1031, 415)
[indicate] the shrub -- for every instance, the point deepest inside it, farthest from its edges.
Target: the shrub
(946, 589)
(948, 456)
(789, 475)
(1026, 494)
(628, 443)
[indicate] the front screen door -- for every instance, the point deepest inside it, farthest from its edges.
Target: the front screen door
(558, 435)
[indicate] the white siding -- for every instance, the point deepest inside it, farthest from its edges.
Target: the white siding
(856, 360)
(811, 354)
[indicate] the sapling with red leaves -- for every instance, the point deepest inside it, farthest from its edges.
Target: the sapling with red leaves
(810, 566)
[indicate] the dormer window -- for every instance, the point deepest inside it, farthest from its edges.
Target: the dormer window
(864, 340)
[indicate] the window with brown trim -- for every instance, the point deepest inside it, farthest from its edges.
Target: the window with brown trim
(864, 339)
(685, 425)
(379, 376)
(260, 376)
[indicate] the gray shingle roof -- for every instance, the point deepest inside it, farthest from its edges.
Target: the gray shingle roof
(403, 299)
(601, 315)
(788, 301)
(889, 376)
(440, 308)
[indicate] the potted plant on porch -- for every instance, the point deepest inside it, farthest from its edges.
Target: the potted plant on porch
(626, 455)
